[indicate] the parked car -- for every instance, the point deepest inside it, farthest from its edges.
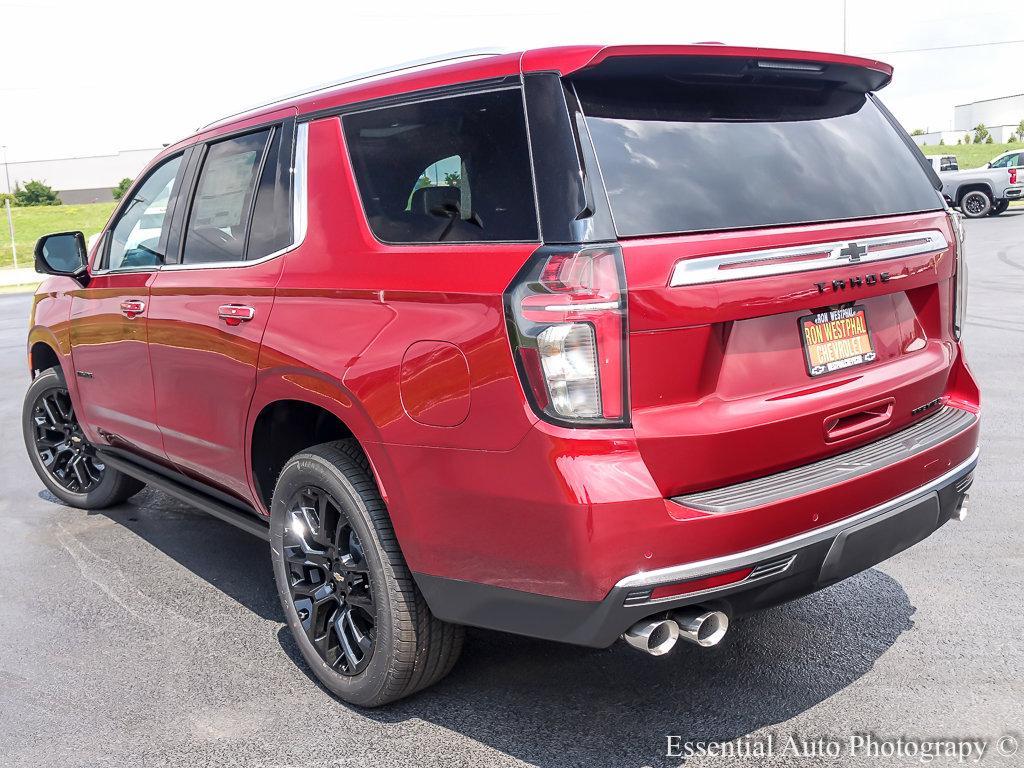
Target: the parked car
(986, 191)
(456, 374)
(943, 162)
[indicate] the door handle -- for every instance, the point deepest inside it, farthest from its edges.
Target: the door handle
(236, 314)
(132, 308)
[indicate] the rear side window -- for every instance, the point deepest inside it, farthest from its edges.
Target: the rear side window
(271, 225)
(448, 170)
(1008, 161)
(692, 156)
(224, 199)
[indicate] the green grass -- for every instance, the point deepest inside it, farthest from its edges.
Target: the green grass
(970, 155)
(33, 222)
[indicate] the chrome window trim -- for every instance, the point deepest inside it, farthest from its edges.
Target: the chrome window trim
(718, 269)
(737, 560)
(300, 215)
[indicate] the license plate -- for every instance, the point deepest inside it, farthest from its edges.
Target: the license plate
(835, 340)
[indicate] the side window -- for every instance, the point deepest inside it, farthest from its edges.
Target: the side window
(449, 170)
(271, 228)
(138, 234)
(1004, 162)
(223, 199)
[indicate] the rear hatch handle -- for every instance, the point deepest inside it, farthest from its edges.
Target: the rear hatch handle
(856, 421)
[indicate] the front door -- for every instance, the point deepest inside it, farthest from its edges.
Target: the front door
(110, 317)
(207, 313)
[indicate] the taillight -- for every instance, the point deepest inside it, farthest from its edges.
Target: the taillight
(566, 315)
(960, 292)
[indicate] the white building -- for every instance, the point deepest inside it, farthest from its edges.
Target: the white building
(1001, 116)
(79, 179)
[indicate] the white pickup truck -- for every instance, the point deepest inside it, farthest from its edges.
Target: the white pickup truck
(986, 191)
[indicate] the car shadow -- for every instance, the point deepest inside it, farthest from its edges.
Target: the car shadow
(554, 705)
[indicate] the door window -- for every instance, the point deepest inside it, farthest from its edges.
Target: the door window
(219, 217)
(1007, 161)
(138, 235)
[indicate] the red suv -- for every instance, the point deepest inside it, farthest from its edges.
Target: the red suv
(579, 343)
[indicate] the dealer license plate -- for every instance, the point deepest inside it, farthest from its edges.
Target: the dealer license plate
(835, 340)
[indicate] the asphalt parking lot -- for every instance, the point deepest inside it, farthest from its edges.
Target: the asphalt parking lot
(150, 634)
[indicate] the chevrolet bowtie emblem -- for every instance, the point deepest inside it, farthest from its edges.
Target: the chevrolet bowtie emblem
(854, 252)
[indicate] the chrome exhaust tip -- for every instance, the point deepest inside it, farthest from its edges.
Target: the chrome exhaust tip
(701, 626)
(653, 636)
(961, 510)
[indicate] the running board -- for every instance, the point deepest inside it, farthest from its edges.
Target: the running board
(250, 522)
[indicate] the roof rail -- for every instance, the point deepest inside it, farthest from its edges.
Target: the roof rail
(430, 61)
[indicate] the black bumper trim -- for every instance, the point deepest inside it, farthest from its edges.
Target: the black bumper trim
(685, 571)
(820, 558)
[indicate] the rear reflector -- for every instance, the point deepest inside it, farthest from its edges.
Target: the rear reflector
(699, 585)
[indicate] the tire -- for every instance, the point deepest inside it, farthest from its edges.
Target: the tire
(61, 455)
(332, 542)
(999, 207)
(975, 204)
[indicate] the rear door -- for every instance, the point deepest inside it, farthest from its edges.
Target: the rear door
(788, 262)
(208, 310)
(110, 317)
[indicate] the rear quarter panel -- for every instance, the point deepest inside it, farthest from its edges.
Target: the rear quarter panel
(349, 308)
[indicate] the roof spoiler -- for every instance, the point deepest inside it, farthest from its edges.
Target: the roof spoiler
(715, 60)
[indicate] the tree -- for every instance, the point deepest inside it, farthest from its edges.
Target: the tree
(452, 179)
(942, 142)
(121, 188)
(988, 139)
(980, 133)
(1013, 138)
(35, 193)
(1020, 130)
(967, 138)
(917, 132)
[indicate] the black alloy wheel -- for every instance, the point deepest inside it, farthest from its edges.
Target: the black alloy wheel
(349, 599)
(976, 204)
(61, 445)
(329, 580)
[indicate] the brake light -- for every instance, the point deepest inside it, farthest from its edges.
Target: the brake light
(960, 291)
(566, 315)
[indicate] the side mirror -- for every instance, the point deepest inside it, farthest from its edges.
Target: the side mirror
(63, 254)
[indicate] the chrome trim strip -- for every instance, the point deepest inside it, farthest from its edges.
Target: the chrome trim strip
(782, 261)
(583, 307)
(687, 571)
(299, 210)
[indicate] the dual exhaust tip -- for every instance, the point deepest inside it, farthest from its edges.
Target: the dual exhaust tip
(699, 626)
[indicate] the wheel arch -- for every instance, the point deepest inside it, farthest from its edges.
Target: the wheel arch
(981, 186)
(295, 411)
(41, 356)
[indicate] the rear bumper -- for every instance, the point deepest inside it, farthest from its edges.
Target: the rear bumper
(781, 571)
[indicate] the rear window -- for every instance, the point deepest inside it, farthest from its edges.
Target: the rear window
(446, 170)
(689, 157)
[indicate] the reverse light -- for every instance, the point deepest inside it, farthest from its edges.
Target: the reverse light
(960, 291)
(566, 314)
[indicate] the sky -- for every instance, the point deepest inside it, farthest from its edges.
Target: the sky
(83, 78)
